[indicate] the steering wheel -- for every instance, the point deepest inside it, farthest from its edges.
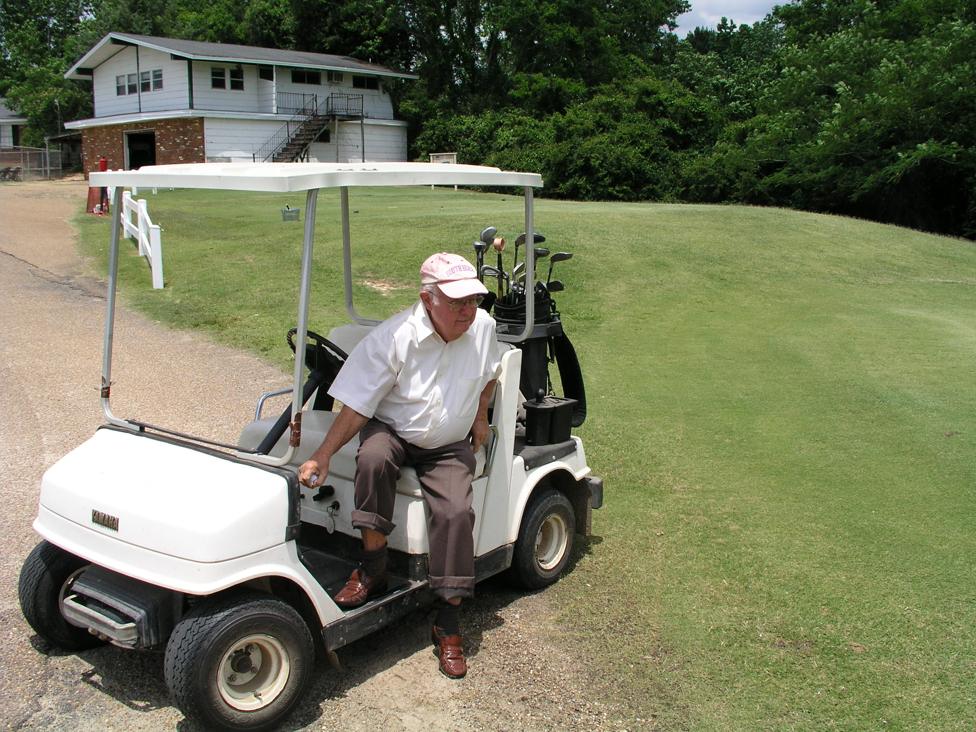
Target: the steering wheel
(321, 354)
(323, 359)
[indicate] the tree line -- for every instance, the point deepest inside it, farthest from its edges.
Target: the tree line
(860, 107)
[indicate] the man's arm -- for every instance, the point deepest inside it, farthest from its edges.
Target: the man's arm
(479, 430)
(347, 424)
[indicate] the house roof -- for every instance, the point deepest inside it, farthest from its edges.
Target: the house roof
(8, 115)
(226, 53)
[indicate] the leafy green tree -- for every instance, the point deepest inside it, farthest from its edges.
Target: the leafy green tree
(864, 115)
(35, 47)
(372, 30)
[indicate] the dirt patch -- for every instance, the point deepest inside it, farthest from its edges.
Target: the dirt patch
(382, 286)
(37, 228)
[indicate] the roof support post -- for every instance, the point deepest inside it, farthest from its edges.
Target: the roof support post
(529, 262)
(110, 298)
(301, 337)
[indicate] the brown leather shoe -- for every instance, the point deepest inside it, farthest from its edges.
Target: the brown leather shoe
(449, 654)
(359, 588)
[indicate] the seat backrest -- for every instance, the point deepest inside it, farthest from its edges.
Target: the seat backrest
(348, 335)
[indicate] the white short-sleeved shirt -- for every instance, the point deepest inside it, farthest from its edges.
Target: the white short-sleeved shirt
(404, 374)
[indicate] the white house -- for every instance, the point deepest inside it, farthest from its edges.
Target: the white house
(10, 124)
(164, 100)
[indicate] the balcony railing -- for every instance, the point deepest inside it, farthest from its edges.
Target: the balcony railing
(294, 103)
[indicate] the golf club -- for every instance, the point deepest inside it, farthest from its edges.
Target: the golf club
(497, 274)
(556, 286)
(479, 253)
(520, 240)
(499, 246)
(487, 234)
(557, 257)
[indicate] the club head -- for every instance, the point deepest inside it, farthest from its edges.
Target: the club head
(488, 235)
(518, 270)
(556, 286)
(480, 246)
(561, 256)
(520, 239)
(494, 272)
(541, 252)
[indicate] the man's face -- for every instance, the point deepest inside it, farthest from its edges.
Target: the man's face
(451, 318)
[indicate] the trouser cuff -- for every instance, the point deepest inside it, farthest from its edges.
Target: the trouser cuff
(367, 520)
(448, 587)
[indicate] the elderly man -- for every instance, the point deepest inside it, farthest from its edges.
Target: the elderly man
(416, 390)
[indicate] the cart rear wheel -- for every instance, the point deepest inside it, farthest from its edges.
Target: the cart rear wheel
(545, 540)
(45, 579)
(239, 663)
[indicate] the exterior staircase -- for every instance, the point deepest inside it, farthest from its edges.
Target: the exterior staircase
(296, 148)
(291, 143)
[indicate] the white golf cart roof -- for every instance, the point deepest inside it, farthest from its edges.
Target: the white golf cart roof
(290, 177)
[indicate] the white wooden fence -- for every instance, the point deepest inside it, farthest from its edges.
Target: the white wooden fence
(146, 233)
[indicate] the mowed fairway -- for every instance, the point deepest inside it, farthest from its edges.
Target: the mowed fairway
(782, 404)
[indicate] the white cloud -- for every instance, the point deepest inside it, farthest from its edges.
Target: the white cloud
(708, 13)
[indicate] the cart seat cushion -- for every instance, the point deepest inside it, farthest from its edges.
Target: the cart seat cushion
(315, 424)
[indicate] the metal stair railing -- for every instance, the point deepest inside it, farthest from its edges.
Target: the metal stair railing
(306, 125)
(304, 107)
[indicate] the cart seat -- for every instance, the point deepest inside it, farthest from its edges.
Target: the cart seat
(315, 425)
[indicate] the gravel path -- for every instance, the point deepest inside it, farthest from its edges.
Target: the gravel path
(521, 676)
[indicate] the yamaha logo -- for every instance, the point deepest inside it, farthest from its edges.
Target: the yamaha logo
(106, 520)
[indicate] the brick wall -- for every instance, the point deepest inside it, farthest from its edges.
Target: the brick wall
(177, 141)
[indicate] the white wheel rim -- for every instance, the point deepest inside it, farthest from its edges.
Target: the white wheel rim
(551, 542)
(253, 672)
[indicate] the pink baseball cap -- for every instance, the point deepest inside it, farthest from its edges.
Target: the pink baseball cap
(454, 275)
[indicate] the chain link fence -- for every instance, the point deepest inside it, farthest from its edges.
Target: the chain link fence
(29, 163)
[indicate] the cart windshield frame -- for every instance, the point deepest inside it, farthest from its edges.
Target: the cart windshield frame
(289, 178)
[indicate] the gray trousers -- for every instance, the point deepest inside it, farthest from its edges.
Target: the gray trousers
(445, 475)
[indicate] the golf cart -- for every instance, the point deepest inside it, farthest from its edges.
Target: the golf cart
(217, 553)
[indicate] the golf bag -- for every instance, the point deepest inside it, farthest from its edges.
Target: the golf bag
(547, 342)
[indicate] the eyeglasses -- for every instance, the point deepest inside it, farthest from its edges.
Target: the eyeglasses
(458, 305)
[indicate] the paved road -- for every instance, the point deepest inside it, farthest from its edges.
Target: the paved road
(51, 312)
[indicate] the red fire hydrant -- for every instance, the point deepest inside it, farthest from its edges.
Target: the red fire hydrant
(103, 192)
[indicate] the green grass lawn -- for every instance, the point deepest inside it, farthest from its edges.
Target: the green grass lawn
(782, 404)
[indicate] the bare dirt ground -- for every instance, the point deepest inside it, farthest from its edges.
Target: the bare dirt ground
(522, 677)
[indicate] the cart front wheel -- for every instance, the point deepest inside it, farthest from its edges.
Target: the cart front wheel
(239, 663)
(45, 580)
(545, 540)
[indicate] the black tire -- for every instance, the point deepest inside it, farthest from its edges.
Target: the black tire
(226, 649)
(545, 540)
(46, 575)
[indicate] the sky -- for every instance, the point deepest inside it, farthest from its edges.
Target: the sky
(708, 13)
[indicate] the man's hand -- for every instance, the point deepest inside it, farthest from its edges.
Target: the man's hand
(479, 432)
(347, 424)
(313, 472)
